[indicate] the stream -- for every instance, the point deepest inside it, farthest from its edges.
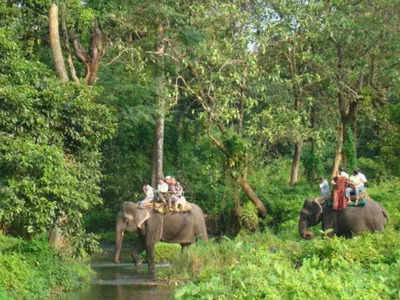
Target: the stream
(121, 281)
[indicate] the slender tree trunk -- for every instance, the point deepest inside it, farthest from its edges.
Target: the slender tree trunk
(67, 44)
(312, 140)
(154, 180)
(56, 238)
(158, 154)
(294, 174)
(339, 151)
(236, 198)
(342, 112)
(55, 44)
(252, 195)
(159, 149)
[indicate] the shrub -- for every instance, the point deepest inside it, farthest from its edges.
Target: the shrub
(249, 217)
(32, 270)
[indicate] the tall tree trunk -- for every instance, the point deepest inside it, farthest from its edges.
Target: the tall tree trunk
(294, 174)
(56, 238)
(158, 154)
(342, 111)
(55, 44)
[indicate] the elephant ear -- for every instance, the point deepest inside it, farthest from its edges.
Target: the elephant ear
(134, 215)
(317, 210)
(314, 209)
(141, 216)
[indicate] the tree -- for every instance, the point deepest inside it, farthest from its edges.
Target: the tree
(215, 80)
(359, 37)
(50, 137)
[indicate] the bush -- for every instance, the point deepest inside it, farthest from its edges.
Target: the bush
(32, 270)
(248, 218)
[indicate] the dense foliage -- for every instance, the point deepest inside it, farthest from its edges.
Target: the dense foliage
(32, 270)
(50, 138)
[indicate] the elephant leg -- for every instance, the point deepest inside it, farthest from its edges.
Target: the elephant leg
(119, 235)
(137, 250)
(329, 223)
(184, 247)
(150, 258)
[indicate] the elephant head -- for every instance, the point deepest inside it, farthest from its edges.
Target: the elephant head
(310, 215)
(130, 218)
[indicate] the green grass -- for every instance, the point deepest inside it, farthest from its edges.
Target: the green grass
(31, 270)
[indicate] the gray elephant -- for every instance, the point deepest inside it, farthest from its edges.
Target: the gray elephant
(347, 222)
(182, 228)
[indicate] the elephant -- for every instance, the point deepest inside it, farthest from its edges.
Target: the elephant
(347, 222)
(173, 227)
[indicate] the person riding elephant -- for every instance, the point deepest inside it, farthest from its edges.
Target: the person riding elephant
(347, 222)
(182, 228)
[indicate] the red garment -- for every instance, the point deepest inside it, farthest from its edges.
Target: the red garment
(339, 194)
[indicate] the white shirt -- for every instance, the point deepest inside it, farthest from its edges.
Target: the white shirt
(162, 187)
(362, 177)
(357, 180)
(149, 191)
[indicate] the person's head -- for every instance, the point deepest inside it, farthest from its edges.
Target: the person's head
(168, 179)
(144, 183)
(355, 172)
(321, 178)
(341, 169)
(161, 180)
(358, 170)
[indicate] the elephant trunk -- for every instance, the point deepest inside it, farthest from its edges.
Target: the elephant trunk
(303, 228)
(119, 234)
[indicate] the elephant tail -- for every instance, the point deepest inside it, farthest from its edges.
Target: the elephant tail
(385, 214)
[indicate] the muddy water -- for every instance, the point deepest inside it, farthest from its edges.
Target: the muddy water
(122, 282)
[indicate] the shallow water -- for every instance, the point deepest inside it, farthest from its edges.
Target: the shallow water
(122, 282)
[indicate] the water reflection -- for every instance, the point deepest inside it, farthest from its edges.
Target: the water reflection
(122, 282)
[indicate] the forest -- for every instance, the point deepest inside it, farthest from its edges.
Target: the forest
(248, 103)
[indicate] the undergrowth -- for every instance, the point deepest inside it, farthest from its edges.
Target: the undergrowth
(32, 270)
(277, 264)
